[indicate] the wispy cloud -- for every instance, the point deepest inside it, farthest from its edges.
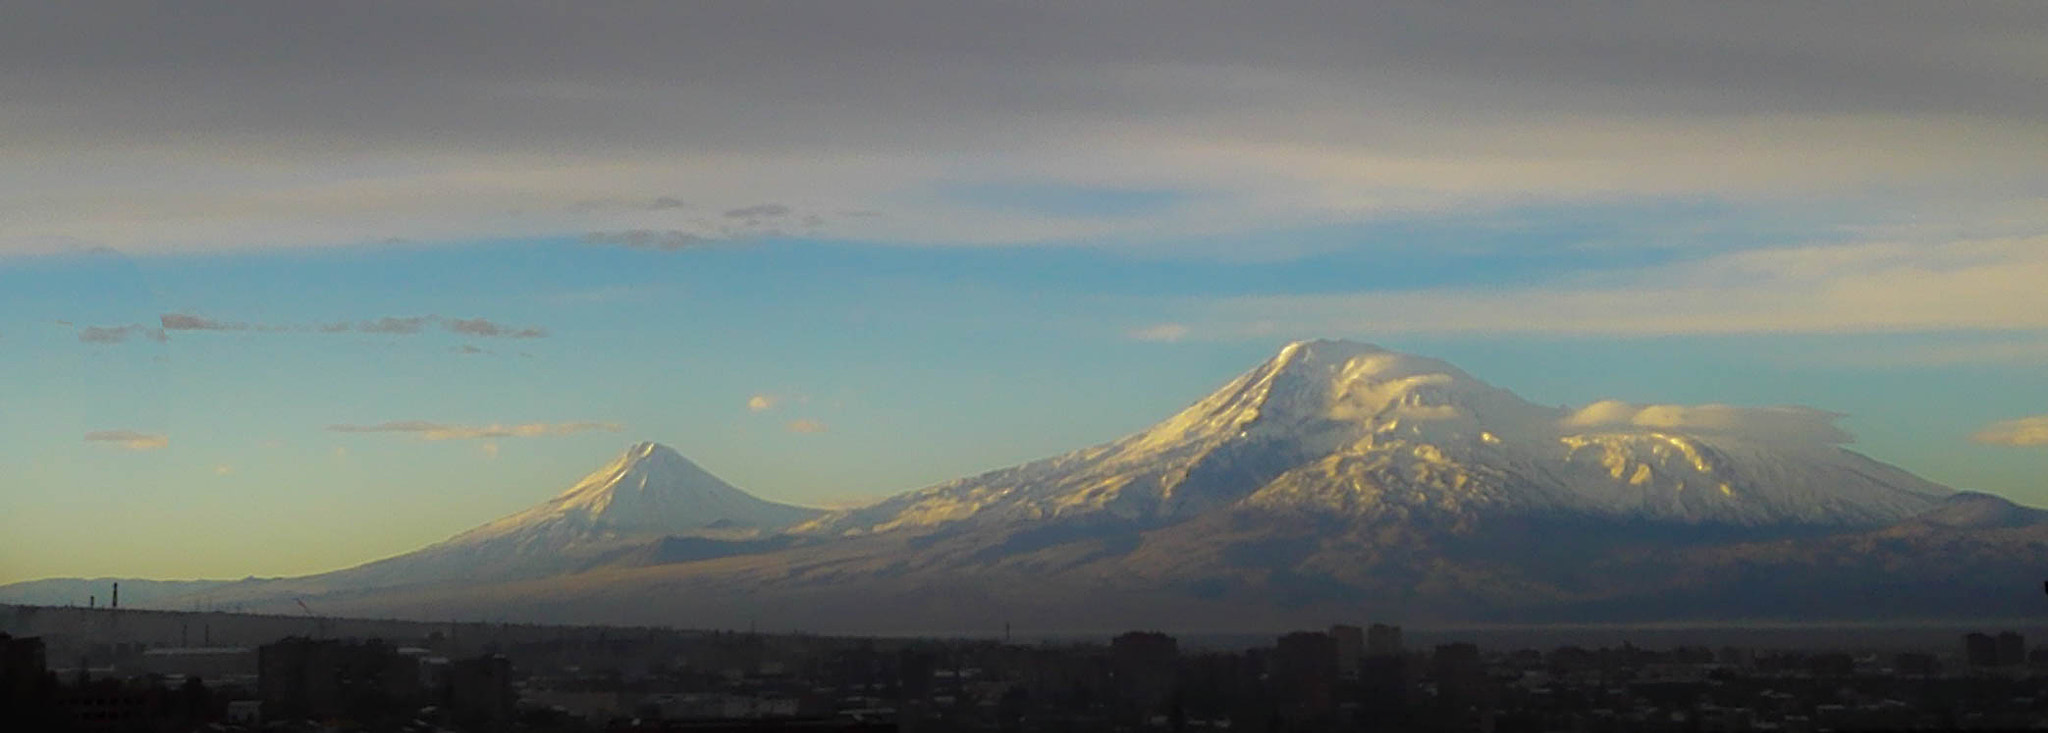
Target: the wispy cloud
(118, 334)
(188, 322)
(2026, 431)
(1331, 111)
(762, 402)
(759, 212)
(1162, 332)
(129, 439)
(387, 325)
(439, 430)
(445, 431)
(805, 425)
(1985, 285)
(390, 325)
(1782, 424)
(736, 225)
(622, 204)
(666, 240)
(487, 329)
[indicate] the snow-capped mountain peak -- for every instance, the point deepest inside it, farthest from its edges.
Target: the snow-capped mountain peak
(648, 490)
(646, 494)
(1351, 428)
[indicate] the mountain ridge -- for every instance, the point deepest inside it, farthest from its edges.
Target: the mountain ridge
(1333, 478)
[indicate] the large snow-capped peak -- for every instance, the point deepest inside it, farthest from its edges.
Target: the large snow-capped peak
(1350, 428)
(1334, 390)
(648, 490)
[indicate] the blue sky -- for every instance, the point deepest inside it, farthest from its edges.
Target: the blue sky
(923, 250)
(919, 365)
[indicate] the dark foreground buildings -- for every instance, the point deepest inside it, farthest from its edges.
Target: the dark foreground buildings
(488, 678)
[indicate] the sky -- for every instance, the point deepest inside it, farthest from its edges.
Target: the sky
(291, 286)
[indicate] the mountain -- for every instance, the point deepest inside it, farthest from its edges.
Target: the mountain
(647, 495)
(1336, 480)
(1344, 428)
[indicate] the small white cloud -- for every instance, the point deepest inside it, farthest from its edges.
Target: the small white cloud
(129, 439)
(806, 425)
(1789, 424)
(1164, 332)
(762, 402)
(490, 450)
(222, 469)
(2026, 431)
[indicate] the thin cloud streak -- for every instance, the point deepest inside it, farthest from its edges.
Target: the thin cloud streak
(1165, 332)
(444, 431)
(388, 325)
(805, 426)
(119, 334)
(129, 439)
(1990, 285)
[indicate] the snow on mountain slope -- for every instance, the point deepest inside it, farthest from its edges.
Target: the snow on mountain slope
(650, 490)
(1335, 426)
(647, 493)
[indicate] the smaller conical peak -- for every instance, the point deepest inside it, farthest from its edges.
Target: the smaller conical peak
(649, 449)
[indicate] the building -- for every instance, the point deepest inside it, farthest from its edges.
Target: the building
(2011, 649)
(1382, 640)
(480, 695)
(1350, 648)
(1142, 666)
(1304, 675)
(1459, 673)
(26, 687)
(1980, 650)
(300, 679)
(210, 663)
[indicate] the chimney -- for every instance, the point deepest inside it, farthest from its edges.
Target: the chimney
(117, 596)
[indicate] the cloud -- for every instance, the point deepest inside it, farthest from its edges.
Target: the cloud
(443, 431)
(487, 329)
(118, 334)
(1783, 424)
(187, 322)
(1986, 285)
(805, 425)
(490, 450)
(2026, 431)
(762, 402)
(607, 205)
(388, 325)
(1328, 112)
(1167, 332)
(223, 469)
(758, 211)
(129, 439)
(401, 326)
(668, 240)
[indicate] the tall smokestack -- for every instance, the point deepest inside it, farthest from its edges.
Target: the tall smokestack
(117, 596)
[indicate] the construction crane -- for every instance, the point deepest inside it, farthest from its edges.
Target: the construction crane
(320, 624)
